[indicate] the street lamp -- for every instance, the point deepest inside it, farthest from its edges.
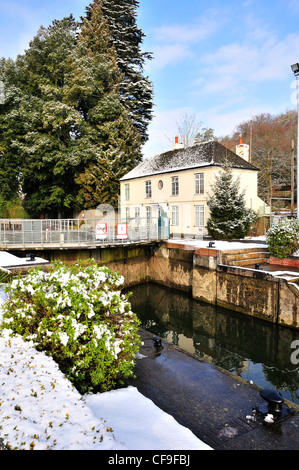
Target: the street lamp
(295, 69)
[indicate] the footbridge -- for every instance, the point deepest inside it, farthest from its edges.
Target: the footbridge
(39, 234)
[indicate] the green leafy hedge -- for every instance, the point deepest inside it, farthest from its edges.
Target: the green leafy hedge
(283, 239)
(79, 316)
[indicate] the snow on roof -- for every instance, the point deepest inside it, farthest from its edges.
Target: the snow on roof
(201, 155)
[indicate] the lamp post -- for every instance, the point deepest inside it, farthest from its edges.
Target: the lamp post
(295, 69)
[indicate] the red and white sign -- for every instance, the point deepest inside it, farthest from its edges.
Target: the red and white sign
(122, 230)
(101, 230)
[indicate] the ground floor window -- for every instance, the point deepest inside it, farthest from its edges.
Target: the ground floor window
(175, 215)
(137, 215)
(148, 213)
(199, 216)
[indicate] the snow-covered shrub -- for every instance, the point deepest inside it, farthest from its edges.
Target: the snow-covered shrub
(78, 315)
(283, 239)
(229, 216)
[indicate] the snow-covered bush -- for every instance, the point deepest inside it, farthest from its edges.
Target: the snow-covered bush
(78, 315)
(283, 239)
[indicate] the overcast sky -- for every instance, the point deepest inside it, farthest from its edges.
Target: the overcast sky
(222, 60)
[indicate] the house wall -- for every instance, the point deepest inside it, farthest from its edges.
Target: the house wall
(186, 200)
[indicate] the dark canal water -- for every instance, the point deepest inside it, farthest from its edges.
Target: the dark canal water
(254, 349)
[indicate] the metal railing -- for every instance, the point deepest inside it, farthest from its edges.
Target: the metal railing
(74, 232)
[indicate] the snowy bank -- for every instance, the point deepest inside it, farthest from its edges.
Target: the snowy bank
(221, 245)
(140, 424)
(8, 260)
(40, 410)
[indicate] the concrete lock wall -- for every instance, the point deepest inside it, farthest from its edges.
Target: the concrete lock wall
(172, 268)
(247, 291)
(199, 273)
(252, 292)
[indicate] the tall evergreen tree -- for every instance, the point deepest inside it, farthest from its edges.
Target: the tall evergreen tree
(9, 124)
(74, 138)
(111, 139)
(45, 145)
(229, 217)
(136, 90)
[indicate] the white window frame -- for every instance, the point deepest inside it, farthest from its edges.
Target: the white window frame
(199, 215)
(175, 215)
(127, 192)
(127, 213)
(148, 189)
(199, 183)
(137, 215)
(148, 210)
(174, 185)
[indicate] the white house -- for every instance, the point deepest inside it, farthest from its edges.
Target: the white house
(178, 184)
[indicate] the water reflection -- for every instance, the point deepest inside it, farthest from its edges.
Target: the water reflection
(253, 349)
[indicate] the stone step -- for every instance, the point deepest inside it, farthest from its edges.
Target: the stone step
(248, 262)
(241, 256)
(245, 250)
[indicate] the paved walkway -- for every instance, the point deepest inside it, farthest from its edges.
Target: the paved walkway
(210, 402)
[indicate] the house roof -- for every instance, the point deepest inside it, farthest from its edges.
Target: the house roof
(198, 156)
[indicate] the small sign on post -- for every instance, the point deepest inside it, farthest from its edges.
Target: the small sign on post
(101, 230)
(122, 230)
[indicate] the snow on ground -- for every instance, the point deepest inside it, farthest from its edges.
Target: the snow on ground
(146, 427)
(221, 244)
(8, 260)
(40, 410)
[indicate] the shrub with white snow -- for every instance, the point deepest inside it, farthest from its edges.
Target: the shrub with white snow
(78, 315)
(283, 239)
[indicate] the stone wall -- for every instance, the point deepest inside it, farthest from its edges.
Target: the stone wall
(288, 304)
(248, 291)
(172, 267)
(199, 273)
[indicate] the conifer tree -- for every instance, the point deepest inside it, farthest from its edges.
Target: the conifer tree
(136, 90)
(45, 142)
(111, 140)
(229, 217)
(73, 138)
(9, 124)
